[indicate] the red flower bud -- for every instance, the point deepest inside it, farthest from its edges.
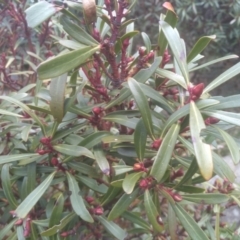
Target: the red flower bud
(19, 222)
(196, 91)
(211, 120)
(177, 197)
(159, 220)
(145, 183)
(150, 55)
(141, 51)
(98, 211)
(89, 199)
(97, 110)
(156, 144)
(45, 140)
(126, 42)
(138, 167)
(54, 161)
(64, 234)
(41, 151)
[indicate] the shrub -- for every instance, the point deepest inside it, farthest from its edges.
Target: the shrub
(116, 144)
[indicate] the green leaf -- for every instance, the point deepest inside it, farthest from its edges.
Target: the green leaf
(193, 168)
(122, 204)
(92, 184)
(229, 117)
(183, 111)
(63, 63)
(120, 169)
(230, 73)
(142, 104)
(220, 167)
(113, 228)
(56, 228)
(140, 139)
(152, 212)
(94, 139)
(199, 46)
(77, 32)
(7, 186)
(207, 198)
(153, 94)
(177, 48)
(101, 159)
(72, 150)
(164, 153)
(232, 145)
(77, 200)
(28, 203)
(172, 76)
(130, 181)
(136, 218)
(6, 231)
(194, 231)
(171, 18)
(16, 157)
(111, 194)
(121, 119)
(226, 102)
(39, 12)
(5, 112)
(71, 44)
(57, 93)
(144, 74)
(213, 62)
(172, 223)
(31, 177)
(57, 211)
(147, 41)
(202, 150)
(26, 109)
(83, 168)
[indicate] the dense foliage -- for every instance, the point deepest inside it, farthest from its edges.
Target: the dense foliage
(112, 142)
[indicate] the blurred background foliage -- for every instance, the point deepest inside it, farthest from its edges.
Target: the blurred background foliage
(199, 18)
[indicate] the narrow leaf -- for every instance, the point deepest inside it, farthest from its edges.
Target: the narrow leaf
(57, 93)
(194, 231)
(28, 203)
(206, 198)
(177, 48)
(39, 12)
(164, 153)
(113, 228)
(140, 139)
(230, 73)
(77, 200)
(122, 204)
(7, 187)
(142, 105)
(101, 159)
(232, 145)
(72, 150)
(152, 212)
(130, 181)
(202, 150)
(77, 32)
(199, 46)
(16, 157)
(58, 65)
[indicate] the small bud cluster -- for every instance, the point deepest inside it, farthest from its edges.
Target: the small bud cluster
(47, 146)
(146, 183)
(156, 144)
